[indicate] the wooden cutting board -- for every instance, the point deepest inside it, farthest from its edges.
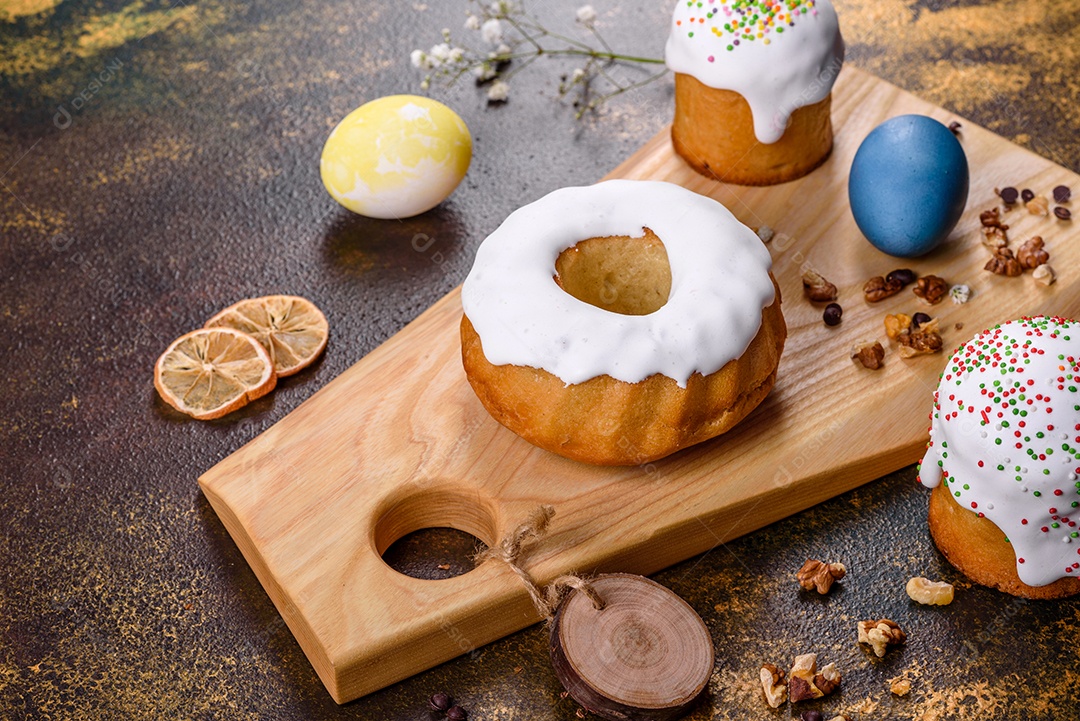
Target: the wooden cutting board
(399, 442)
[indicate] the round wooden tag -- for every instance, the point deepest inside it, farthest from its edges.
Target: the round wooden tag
(646, 656)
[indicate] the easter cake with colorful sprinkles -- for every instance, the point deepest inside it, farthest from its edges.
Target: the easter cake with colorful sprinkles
(753, 85)
(1004, 458)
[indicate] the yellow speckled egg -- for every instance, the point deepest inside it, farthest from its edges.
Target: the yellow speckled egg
(396, 157)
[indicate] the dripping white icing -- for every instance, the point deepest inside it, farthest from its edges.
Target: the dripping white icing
(719, 285)
(788, 67)
(1027, 483)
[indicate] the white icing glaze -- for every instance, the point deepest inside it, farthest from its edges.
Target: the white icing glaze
(1008, 444)
(784, 67)
(719, 285)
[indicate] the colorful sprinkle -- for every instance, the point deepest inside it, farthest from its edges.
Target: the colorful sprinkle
(749, 19)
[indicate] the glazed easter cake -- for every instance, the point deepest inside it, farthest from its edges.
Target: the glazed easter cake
(753, 84)
(620, 322)
(1004, 458)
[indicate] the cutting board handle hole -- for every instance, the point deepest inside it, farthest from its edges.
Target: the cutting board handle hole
(435, 531)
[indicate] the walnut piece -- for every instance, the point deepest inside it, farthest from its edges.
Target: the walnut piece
(880, 635)
(807, 683)
(929, 593)
(1003, 263)
(806, 663)
(828, 680)
(1031, 254)
(869, 353)
(994, 237)
(1044, 275)
(924, 339)
(817, 288)
(820, 575)
(992, 219)
(773, 684)
(878, 288)
(1038, 205)
(900, 686)
(801, 686)
(931, 289)
(896, 324)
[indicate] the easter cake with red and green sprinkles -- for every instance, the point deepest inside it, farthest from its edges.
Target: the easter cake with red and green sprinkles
(753, 84)
(1004, 458)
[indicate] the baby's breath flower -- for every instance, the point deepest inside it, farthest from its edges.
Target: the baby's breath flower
(508, 47)
(586, 15)
(960, 294)
(484, 71)
(492, 32)
(579, 77)
(439, 54)
(498, 92)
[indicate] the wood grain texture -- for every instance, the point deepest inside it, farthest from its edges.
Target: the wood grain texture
(399, 442)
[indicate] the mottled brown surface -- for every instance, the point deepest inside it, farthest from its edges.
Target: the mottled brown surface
(186, 178)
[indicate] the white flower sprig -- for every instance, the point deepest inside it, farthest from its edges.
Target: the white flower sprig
(513, 39)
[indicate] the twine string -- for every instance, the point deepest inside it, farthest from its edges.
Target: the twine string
(516, 544)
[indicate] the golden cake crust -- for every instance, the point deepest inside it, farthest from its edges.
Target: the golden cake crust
(977, 547)
(605, 421)
(713, 131)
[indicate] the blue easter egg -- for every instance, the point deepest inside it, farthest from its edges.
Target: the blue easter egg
(908, 185)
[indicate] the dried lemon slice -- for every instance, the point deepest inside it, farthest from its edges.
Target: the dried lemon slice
(290, 328)
(213, 371)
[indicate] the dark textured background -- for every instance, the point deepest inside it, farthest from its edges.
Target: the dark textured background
(186, 177)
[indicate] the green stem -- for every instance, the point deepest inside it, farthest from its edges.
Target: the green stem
(568, 40)
(599, 100)
(516, 26)
(598, 36)
(602, 55)
(594, 54)
(519, 68)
